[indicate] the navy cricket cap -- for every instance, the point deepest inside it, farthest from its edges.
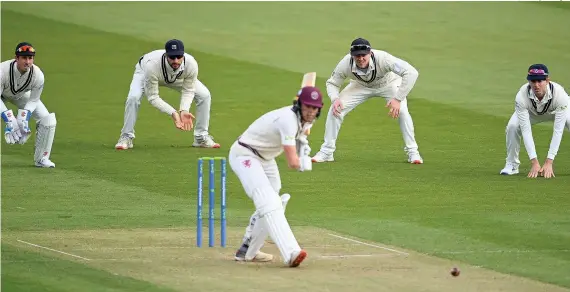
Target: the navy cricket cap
(360, 46)
(174, 47)
(25, 49)
(537, 72)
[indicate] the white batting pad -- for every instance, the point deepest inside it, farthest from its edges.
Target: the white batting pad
(281, 233)
(44, 137)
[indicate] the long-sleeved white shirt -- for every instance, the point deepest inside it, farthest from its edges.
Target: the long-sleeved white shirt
(555, 102)
(382, 70)
(273, 130)
(158, 72)
(16, 85)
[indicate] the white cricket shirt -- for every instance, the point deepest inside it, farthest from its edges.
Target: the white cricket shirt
(16, 85)
(555, 102)
(382, 70)
(159, 73)
(273, 130)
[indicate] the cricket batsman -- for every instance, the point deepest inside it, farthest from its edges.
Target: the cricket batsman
(175, 69)
(22, 85)
(371, 73)
(537, 101)
(252, 158)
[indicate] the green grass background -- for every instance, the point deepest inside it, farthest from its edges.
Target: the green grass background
(472, 58)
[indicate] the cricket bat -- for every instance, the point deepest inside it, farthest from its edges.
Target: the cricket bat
(309, 79)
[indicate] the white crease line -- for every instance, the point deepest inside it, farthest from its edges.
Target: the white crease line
(499, 251)
(55, 250)
(131, 248)
(342, 256)
(368, 244)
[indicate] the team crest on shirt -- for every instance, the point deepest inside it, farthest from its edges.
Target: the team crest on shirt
(247, 163)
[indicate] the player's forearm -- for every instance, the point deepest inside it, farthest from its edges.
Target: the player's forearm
(409, 79)
(3, 107)
(161, 105)
(31, 105)
(529, 144)
(559, 123)
(291, 156)
(333, 90)
(186, 100)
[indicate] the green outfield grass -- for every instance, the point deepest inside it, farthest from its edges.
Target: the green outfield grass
(454, 207)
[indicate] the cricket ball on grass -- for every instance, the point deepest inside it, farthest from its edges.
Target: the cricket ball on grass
(455, 272)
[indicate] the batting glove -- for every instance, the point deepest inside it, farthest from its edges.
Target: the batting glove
(23, 122)
(12, 132)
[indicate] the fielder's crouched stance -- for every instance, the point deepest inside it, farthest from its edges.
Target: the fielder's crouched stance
(537, 101)
(22, 85)
(252, 158)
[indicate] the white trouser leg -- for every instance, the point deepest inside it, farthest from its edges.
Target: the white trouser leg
(351, 96)
(407, 128)
(405, 118)
(203, 104)
(256, 184)
(513, 139)
(255, 234)
(133, 102)
(45, 132)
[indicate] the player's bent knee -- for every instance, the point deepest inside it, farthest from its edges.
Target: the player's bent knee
(512, 126)
(48, 121)
(266, 200)
(134, 99)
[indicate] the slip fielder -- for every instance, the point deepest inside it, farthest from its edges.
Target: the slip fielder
(22, 85)
(175, 69)
(537, 101)
(371, 73)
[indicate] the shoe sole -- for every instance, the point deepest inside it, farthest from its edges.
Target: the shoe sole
(417, 162)
(321, 161)
(506, 173)
(299, 259)
(254, 260)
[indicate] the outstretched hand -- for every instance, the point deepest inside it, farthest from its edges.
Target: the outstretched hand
(394, 106)
(546, 169)
(187, 120)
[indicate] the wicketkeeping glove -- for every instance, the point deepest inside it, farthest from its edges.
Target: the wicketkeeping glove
(23, 122)
(12, 131)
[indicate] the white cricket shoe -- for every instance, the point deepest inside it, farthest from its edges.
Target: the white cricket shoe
(125, 142)
(297, 258)
(45, 163)
(415, 158)
(322, 157)
(260, 257)
(205, 141)
(510, 169)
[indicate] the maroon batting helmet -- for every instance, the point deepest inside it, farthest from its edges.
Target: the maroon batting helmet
(310, 96)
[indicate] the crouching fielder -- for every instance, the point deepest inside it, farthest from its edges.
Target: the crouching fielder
(22, 85)
(252, 158)
(537, 101)
(171, 68)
